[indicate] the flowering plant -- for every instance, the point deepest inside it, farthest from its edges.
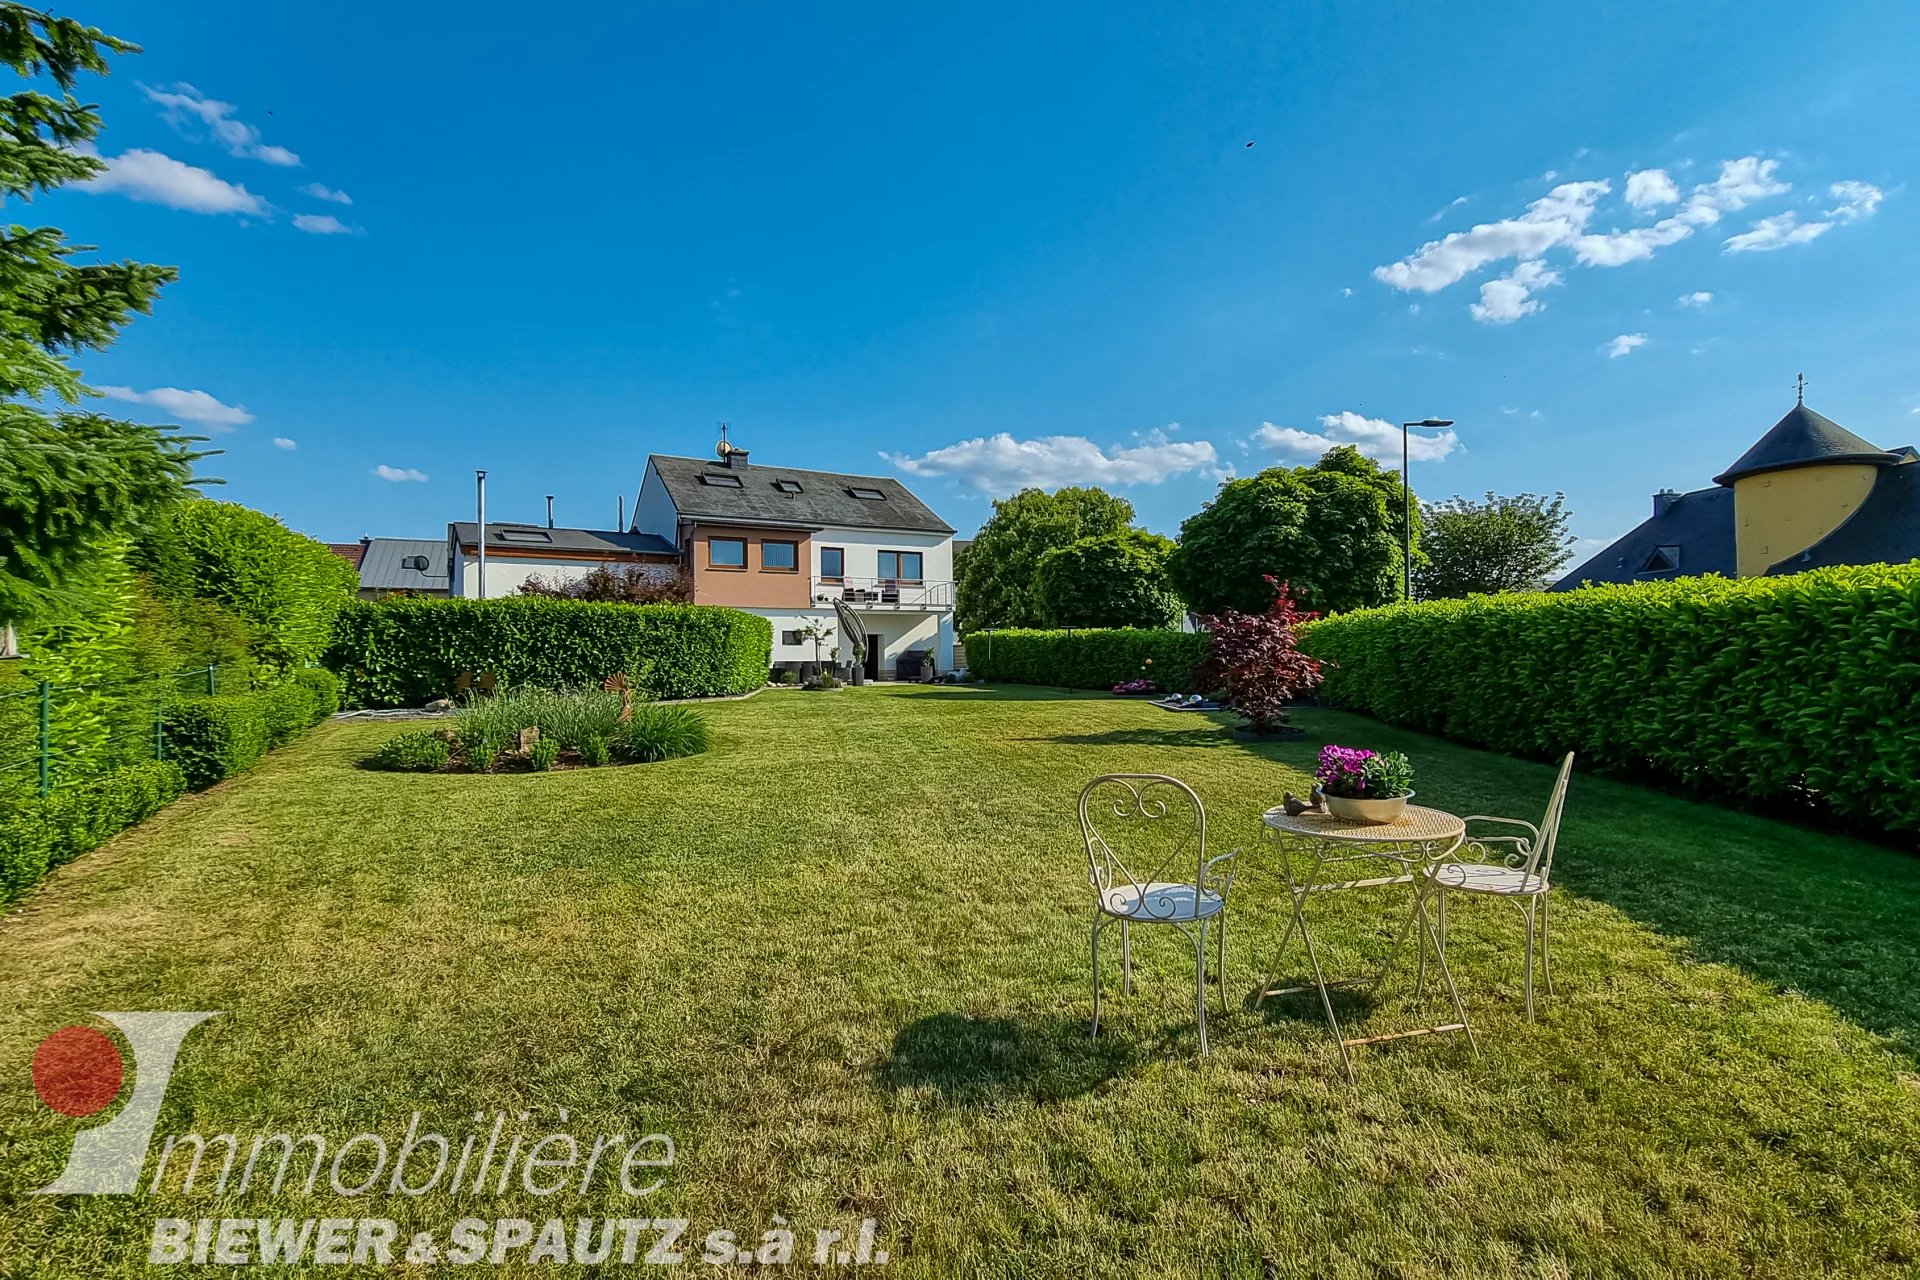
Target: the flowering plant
(1355, 773)
(1136, 686)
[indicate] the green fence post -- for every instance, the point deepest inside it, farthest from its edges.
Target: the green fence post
(159, 719)
(213, 679)
(46, 722)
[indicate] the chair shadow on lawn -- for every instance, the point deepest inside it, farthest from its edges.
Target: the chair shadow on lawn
(974, 1061)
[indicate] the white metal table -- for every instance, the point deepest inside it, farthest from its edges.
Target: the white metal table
(1319, 854)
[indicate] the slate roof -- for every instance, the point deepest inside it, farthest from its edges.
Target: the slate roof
(1885, 530)
(1804, 438)
(1700, 524)
(824, 498)
(535, 538)
(381, 568)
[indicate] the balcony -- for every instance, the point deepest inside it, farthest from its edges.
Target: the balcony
(889, 594)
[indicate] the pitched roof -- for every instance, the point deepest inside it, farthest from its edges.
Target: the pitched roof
(1694, 535)
(535, 538)
(348, 551)
(1804, 438)
(788, 496)
(384, 567)
(1885, 529)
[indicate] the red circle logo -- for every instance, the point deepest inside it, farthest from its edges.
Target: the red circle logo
(78, 1071)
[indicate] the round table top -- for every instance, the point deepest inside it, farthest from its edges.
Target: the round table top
(1417, 825)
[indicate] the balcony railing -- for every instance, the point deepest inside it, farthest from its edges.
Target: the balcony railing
(885, 593)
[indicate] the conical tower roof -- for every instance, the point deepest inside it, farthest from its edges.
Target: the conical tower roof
(1804, 439)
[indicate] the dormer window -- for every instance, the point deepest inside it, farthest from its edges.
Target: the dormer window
(720, 480)
(866, 494)
(1664, 559)
(787, 486)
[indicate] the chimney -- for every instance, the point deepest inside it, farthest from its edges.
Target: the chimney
(1663, 501)
(737, 458)
(549, 511)
(620, 521)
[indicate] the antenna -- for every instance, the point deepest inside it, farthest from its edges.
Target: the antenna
(725, 446)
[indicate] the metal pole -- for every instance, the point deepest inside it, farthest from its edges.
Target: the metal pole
(1406, 519)
(159, 719)
(46, 721)
(620, 517)
(213, 679)
(549, 511)
(480, 481)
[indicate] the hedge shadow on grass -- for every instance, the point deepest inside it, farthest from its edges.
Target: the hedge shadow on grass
(1206, 734)
(974, 1061)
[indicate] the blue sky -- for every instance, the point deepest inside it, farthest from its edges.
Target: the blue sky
(984, 246)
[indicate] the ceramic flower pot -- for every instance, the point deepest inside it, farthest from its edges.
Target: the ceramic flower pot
(1376, 812)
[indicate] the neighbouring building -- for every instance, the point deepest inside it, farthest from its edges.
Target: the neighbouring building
(787, 543)
(516, 552)
(1808, 494)
(402, 566)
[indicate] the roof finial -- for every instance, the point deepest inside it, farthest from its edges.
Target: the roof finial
(1799, 389)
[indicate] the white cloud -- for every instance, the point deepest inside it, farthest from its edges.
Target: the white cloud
(188, 406)
(1625, 344)
(281, 442)
(1506, 299)
(1375, 437)
(1776, 232)
(1857, 199)
(1738, 184)
(400, 475)
(160, 179)
(1698, 298)
(320, 191)
(322, 224)
(183, 104)
(1346, 293)
(1553, 219)
(1651, 188)
(1509, 409)
(1447, 208)
(1002, 464)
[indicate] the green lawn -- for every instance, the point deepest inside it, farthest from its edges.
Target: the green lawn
(842, 961)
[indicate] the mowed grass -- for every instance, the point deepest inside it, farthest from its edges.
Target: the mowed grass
(842, 961)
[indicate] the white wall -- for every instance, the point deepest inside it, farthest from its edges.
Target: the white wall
(899, 633)
(863, 548)
(653, 510)
(505, 575)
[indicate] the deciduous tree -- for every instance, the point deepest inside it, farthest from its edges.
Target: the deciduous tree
(996, 586)
(1502, 544)
(1113, 580)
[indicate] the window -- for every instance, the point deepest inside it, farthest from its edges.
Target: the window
(779, 557)
(720, 480)
(867, 494)
(903, 566)
(790, 637)
(788, 486)
(727, 553)
(833, 563)
(1664, 559)
(519, 534)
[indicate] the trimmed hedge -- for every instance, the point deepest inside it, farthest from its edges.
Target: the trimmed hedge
(287, 711)
(1765, 688)
(215, 738)
(42, 833)
(323, 686)
(401, 653)
(1087, 659)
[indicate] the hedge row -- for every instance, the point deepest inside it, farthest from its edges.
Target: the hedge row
(1764, 688)
(404, 652)
(1087, 659)
(212, 738)
(40, 834)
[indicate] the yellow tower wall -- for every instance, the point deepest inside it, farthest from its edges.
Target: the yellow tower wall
(1782, 513)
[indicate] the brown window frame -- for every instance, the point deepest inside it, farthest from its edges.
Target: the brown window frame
(727, 568)
(779, 542)
(833, 577)
(921, 556)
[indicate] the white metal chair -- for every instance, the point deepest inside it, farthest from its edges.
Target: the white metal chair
(1166, 826)
(1518, 875)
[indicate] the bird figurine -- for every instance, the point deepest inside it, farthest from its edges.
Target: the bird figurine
(1318, 796)
(1294, 805)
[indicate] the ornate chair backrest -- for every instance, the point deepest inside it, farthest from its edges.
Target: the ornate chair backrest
(1142, 829)
(1541, 862)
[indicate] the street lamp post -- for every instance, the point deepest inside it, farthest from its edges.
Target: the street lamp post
(1406, 500)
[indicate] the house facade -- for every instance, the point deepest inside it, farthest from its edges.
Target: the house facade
(788, 543)
(1809, 494)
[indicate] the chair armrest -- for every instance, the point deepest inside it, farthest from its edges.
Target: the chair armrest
(1512, 822)
(1206, 870)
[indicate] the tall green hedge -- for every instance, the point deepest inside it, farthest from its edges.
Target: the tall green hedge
(398, 653)
(1764, 688)
(1087, 659)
